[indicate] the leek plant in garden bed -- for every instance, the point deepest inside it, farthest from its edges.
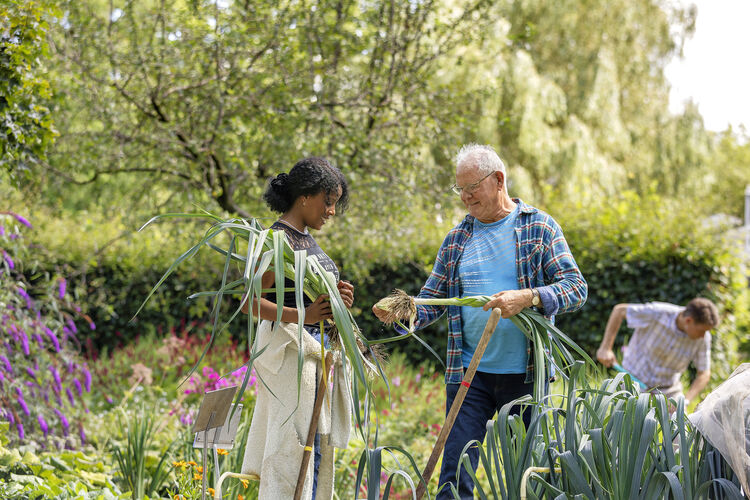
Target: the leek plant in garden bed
(609, 442)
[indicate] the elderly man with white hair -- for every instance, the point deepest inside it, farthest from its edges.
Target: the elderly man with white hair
(515, 253)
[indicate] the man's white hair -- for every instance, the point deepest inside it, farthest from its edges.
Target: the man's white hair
(483, 157)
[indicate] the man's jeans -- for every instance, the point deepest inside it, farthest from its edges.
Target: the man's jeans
(488, 393)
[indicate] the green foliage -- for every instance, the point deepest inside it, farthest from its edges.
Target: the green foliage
(409, 412)
(132, 460)
(27, 130)
(730, 173)
(59, 474)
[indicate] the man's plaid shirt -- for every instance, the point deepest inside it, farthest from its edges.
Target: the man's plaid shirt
(543, 261)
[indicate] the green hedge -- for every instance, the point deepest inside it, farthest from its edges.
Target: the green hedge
(112, 268)
(632, 249)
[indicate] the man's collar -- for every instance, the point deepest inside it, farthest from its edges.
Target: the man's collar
(523, 207)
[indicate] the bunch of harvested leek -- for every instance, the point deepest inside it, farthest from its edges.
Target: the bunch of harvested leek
(268, 251)
(547, 339)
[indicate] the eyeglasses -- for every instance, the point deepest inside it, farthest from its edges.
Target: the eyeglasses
(471, 187)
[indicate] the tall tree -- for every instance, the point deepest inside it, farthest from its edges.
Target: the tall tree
(210, 98)
(586, 91)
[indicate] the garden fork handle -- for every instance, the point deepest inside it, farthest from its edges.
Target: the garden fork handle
(322, 389)
(489, 329)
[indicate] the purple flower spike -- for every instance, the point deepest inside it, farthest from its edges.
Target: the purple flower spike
(70, 396)
(22, 402)
(23, 293)
(78, 387)
(25, 343)
(8, 260)
(22, 220)
(61, 288)
(82, 434)
(39, 340)
(6, 362)
(56, 376)
(31, 372)
(2, 231)
(87, 379)
(43, 425)
(53, 338)
(72, 326)
(92, 326)
(109, 400)
(63, 421)
(21, 434)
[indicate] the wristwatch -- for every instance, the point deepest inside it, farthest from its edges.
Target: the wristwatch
(535, 300)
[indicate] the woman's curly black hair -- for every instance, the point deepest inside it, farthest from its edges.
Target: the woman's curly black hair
(308, 177)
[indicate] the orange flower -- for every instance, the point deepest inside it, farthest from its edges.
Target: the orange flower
(210, 491)
(192, 463)
(240, 497)
(245, 482)
(199, 469)
(197, 477)
(221, 451)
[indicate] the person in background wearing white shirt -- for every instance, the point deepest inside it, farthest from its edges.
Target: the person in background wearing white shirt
(666, 339)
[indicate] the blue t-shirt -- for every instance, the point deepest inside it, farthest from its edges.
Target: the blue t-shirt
(488, 266)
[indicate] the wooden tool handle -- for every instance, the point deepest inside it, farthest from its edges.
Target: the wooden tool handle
(489, 329)
(322, 389)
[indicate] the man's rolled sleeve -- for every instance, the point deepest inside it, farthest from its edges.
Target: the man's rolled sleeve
(702, 358)
(436, 286)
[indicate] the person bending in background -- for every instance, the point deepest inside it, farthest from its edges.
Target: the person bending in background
(667, 338)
